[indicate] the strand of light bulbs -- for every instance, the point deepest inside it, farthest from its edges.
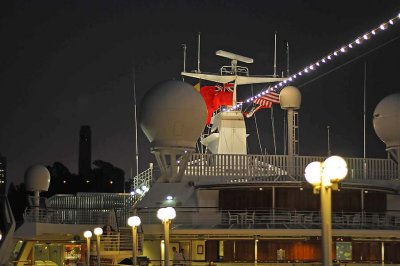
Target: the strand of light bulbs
(324, 60)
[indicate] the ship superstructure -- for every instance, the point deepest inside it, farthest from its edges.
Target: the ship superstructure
(232, 207)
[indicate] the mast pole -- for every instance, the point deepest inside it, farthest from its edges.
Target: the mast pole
(329, 140)
(184, 60)
(136, 131)
(198, 53)
(365, 104)
(275, 56)
(287, 59)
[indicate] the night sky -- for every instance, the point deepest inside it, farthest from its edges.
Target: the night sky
(64, 64)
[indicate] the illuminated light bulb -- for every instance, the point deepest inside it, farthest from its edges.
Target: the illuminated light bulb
(306, 70)
(366, 37)
(350, 45)
(358, 41)
(373, 32)
(290, 79)
(383, 26)
(285, 81)
(343, 50)
(275, 86)
(312, 67)
(323, 60)
(295, 76)
(398, 15)
(317, 63)
(248, 100)
(329, 57)
(391, 21)
(335, 53)
(300, 73)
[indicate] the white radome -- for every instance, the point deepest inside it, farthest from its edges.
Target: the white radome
(387, 120)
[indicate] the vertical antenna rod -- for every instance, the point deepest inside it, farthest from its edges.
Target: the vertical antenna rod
(136, 131)
(365, 104)
(198, 54)
(287, 59)
(184, 59)
(275, 56)
(329, 140)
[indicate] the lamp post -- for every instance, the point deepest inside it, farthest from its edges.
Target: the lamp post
(98, 231)
(134, 222)
(87, 235)
(166, 215)
(324, 177)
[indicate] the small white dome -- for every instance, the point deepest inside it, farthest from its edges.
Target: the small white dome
(290, 98)
(37, 178)
(387, 120)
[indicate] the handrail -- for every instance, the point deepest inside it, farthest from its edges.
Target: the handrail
(259, 168)
(212, 216)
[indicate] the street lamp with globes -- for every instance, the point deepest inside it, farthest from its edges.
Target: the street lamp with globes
(87, 235)
(324, 177)
(98, 231)
(134, 222)
(166, 215)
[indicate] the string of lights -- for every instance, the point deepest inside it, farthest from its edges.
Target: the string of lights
(359, 40)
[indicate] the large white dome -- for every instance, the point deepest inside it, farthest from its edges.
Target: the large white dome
(387, 120)
(173, 114)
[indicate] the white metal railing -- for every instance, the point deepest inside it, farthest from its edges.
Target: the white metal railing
(69, 216)
(210, 217)
(270, 167)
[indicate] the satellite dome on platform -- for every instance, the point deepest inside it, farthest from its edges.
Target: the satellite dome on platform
(290, 98)
(387, 120)
(173, 114)
(37, 178)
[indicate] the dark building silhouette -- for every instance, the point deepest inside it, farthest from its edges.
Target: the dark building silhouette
(3, 174)
(85, 151)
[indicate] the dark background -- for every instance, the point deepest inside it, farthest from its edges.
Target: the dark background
(64, 64)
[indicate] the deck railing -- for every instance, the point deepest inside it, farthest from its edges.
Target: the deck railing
(225, 219)
(270, 167)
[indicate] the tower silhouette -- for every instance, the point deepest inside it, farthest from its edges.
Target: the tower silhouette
(85, 151)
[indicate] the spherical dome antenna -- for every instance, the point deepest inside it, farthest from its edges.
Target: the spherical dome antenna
(37, 178)
(290, 98)
(173, 114)
(386, 120)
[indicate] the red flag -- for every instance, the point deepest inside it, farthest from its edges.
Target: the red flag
(215, 96)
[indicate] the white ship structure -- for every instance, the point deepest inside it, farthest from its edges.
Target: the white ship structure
(232, 208)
